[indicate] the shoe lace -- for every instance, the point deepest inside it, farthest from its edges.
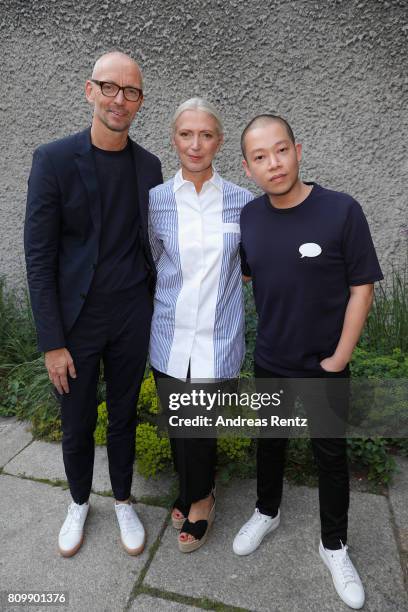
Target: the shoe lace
(345, 565)
(73, 516)
(74, 512)
(255, 519)
(126, 516)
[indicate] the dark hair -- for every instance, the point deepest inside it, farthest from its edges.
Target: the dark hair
(262, 119)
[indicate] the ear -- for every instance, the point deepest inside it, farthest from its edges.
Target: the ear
(90, 92)
(220, 142)
(140, 103)
(298, 148)
(246, 168)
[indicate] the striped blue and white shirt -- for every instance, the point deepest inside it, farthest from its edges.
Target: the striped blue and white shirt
(198, 315)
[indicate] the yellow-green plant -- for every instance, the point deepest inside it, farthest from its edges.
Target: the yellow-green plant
(152, 451)
(233, 448)
(101, 425)
(148, 400)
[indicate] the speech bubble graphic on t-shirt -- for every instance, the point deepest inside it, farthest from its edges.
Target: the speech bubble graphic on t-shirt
(310, 249)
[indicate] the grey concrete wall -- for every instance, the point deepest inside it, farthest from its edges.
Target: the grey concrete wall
(337, 70)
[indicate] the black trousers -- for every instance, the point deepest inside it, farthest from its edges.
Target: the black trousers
(113, 328)
(194, 459)
(331, 458)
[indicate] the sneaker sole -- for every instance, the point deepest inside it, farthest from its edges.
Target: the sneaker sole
(133, 552)
(72, 551)
(269, 530)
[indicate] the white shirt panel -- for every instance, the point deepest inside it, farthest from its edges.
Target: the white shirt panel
(198, 306)
(201, 249)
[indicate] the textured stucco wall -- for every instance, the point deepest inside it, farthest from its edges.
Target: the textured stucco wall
(338, 70)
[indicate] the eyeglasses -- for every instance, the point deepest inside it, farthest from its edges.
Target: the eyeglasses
(132, 94)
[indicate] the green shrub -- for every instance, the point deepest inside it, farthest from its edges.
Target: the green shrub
(17, 344)
(101, 425)
(34, 388)
(17, 329)
(148, 403)
(387, 324)
(381, 406)
(365, 364)
(231, 448)
(153, 452)
(46, 425)
(372, 453)
(9, 390)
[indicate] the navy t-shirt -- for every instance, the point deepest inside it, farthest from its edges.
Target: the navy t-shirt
(302, 261)
(121, 262)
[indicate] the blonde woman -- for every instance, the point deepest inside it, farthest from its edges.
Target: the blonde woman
(198, 322)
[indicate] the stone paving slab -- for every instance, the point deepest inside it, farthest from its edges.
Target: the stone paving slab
(146, 603)
(14, 436)
(286, 573)
(398, 492)
(44, 460)
(99, 577)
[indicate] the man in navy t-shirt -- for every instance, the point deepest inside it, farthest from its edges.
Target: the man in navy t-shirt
(312, 261)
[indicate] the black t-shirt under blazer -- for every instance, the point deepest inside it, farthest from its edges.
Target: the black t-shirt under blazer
(120, 263)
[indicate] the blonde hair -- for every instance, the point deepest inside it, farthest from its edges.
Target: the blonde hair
(201, 105)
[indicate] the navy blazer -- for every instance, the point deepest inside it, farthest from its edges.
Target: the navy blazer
(62, 230)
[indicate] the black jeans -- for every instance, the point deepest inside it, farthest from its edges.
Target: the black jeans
(116, 329)
(331, 458)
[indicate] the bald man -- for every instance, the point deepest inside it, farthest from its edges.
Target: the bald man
(91, 277)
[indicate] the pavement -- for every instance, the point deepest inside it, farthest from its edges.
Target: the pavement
(285, 574)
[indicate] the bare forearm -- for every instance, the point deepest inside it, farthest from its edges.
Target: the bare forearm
(358, 307)
(357, 310)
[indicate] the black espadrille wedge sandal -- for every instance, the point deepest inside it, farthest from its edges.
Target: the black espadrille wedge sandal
(199, 530)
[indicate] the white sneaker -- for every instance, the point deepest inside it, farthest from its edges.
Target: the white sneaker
(345, 577)
(132, 532)
(71, 534)
(253, 532)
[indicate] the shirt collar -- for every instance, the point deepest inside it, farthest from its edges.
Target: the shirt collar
(215, 180)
